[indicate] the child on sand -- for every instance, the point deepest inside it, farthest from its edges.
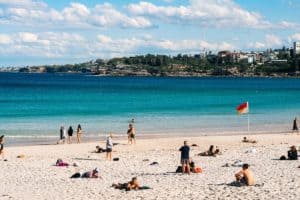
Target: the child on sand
(185, 158)
(245, 176)
(292, 153)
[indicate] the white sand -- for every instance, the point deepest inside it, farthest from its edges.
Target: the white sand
(35, 177)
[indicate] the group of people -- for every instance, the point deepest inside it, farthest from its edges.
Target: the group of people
(63, 133)
(244, 177)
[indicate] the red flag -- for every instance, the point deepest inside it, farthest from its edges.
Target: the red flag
(243, 108)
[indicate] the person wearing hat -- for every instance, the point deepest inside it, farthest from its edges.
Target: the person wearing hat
(292, 153)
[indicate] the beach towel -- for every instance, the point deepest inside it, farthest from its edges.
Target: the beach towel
(145, 188)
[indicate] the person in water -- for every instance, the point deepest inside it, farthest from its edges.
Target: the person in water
(245, 176)
(79, 132)
(131, 134)
(2, 146)
(131, 185)
(292, 153)
(295, 126)
(185, 158)
(70, 135)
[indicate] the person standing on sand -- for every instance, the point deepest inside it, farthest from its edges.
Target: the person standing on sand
(62, 135)
(2, 146)
(295, 126)
(109, 146)
(70, 134)
(79, 131)
(131, 134)
(185, 158)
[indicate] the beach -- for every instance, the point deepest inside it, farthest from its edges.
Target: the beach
(36, 177)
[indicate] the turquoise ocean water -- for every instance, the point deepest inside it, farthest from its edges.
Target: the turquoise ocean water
(36, 105)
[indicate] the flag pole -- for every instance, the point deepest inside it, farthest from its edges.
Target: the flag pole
(248, 122)
(248, 117)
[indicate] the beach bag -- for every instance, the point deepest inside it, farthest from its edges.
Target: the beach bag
(197, 170)
(179, 169)
(282, 158)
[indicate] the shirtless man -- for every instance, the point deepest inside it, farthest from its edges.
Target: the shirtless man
(245, 176)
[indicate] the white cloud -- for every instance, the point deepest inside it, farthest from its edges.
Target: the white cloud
(295, 37)
(270, 41)
(213, 13)
(34, 13)
(5, 39)
(61, 45)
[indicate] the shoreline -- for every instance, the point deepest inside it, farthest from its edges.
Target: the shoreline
(52, 140)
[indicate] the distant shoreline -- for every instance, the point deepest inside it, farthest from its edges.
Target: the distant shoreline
(169, 76)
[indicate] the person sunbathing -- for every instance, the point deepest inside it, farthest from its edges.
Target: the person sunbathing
(133, 184)
(292, 153)
(211, 151)
(246, 140)
(90, 174)
(245, 176)
(61, 163)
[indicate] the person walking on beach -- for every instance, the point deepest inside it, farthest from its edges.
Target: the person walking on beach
(131, 134)
(295, 126)
(70, 134)
(79, 131)
(185, 158)
(2, 146)
(109, 146)
(62, 135)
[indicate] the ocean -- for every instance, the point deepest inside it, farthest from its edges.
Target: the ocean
(36, 105)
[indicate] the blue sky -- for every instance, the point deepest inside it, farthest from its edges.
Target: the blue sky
(54, 32)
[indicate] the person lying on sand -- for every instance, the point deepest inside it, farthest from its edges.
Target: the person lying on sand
(133, 184)
(292, 153)
(61, 163)
(246, 140)
(99, 150)
(245, 176)
(90, 174)
(211, 151)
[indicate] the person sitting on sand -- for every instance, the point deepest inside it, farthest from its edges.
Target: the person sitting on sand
(99, 150)
(2, 146)
(292, 153)
(131, 134)
(245, 176)
(133, 184)
(185, 158)
(211, 151)
(246, 140)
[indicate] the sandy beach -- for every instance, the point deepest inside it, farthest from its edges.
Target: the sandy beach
(35, 177)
